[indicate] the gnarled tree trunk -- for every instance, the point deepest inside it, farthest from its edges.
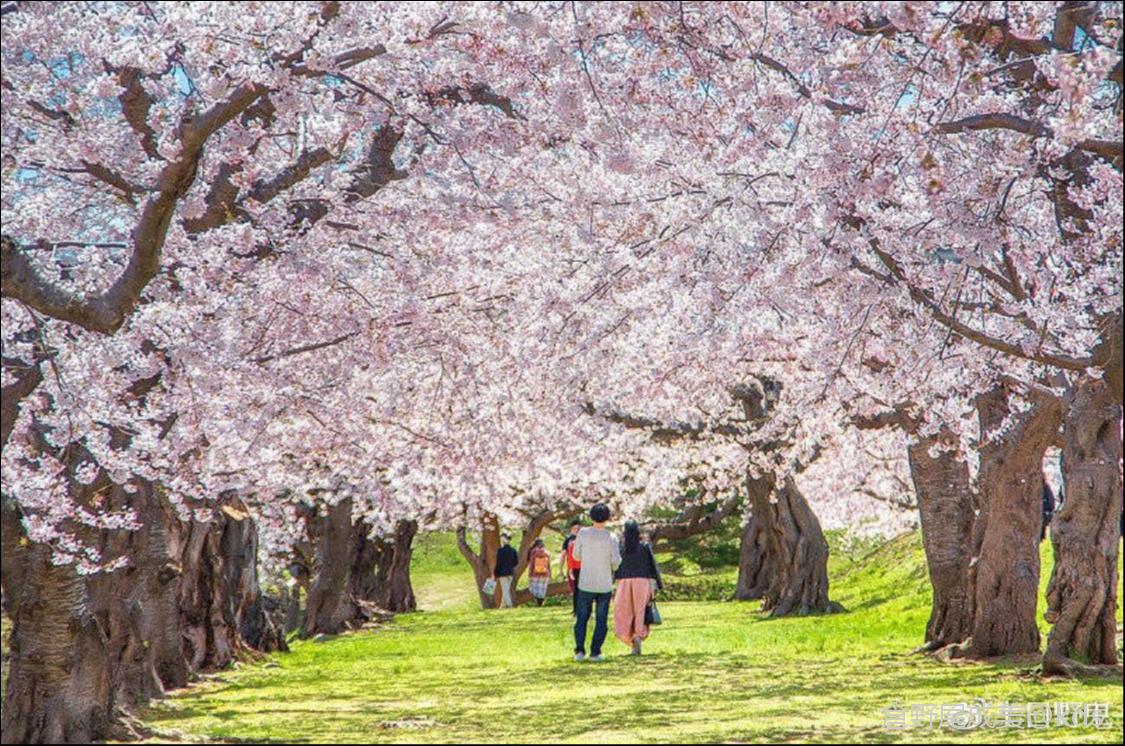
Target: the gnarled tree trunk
(138, 605)
(1006, 573)
(258, 618)
(945, 506)
(798, 581)
(342, 593)
(753, 556)
(483, 562)
(130, 634)
(60, 687)
(1082, 593)
(218, 590)
(393, 590)
(85, 647)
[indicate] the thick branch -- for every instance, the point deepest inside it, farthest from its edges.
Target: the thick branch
(927, 301)
(106, 312)
(27, 380)
(466, 550)
(695, 523)
(1106, 148)
(135, 105)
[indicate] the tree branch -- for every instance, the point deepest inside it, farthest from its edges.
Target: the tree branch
(926, 300)
(106, 312)
(1106, 148)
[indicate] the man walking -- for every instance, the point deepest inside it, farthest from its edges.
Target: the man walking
(598, 551)
(506, 561)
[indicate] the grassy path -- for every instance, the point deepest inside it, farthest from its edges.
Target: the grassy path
(714, 672)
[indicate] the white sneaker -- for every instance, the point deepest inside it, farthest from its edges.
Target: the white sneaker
(579, 657)
(596, 659)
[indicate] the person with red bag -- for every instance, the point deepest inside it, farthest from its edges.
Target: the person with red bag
(570, 566)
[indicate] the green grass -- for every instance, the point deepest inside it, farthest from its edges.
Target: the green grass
(714, 672)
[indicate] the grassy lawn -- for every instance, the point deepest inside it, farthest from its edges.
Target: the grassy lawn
(713, 672)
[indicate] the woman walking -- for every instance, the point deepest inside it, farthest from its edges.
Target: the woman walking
(538, 571)
(637, 578)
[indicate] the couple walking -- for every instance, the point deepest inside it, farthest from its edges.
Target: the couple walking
(604, 560)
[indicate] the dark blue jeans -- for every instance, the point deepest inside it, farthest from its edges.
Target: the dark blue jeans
(586, 601)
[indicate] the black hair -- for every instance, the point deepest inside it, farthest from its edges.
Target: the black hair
(505, 536)
(599, 513)
(632, 537)
(575, 522)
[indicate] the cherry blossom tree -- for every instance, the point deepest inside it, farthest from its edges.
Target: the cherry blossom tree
(393, 253)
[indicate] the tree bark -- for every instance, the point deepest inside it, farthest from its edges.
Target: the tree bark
(483, 562)
(342, 593)
(945, 506)
(138, 605)
(26, 378)
(753, 557)
(218, 590)
(693, 521)
(100, 642)
(798, 582)
(209, 638)
(393, 590)
(1082, 593)
(330, 538)
(60, 687)
(136, 632)
(257, 617)
(1006, 577)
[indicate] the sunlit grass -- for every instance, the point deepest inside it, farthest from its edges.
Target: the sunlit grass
(714, 672)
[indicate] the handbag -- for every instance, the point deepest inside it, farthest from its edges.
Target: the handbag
(489, 587)
(652, 614)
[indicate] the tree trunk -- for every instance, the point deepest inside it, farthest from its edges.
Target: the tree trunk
(1006, 579)
(118, 629)
(798, 583)
(393, 590)
(291, 608)
(257, 617)
(945, 506)
(60, 686)
(174, 609)
(210, 638)
(218, 591)
(327, 608)
(138, 605)
(344, 591)
(1082, 593)
(753, 558)
(483, 562)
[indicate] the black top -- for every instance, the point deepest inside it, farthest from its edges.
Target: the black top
(639, 564)
(506, 561)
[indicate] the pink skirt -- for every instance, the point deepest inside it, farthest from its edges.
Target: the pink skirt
(633, 594)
